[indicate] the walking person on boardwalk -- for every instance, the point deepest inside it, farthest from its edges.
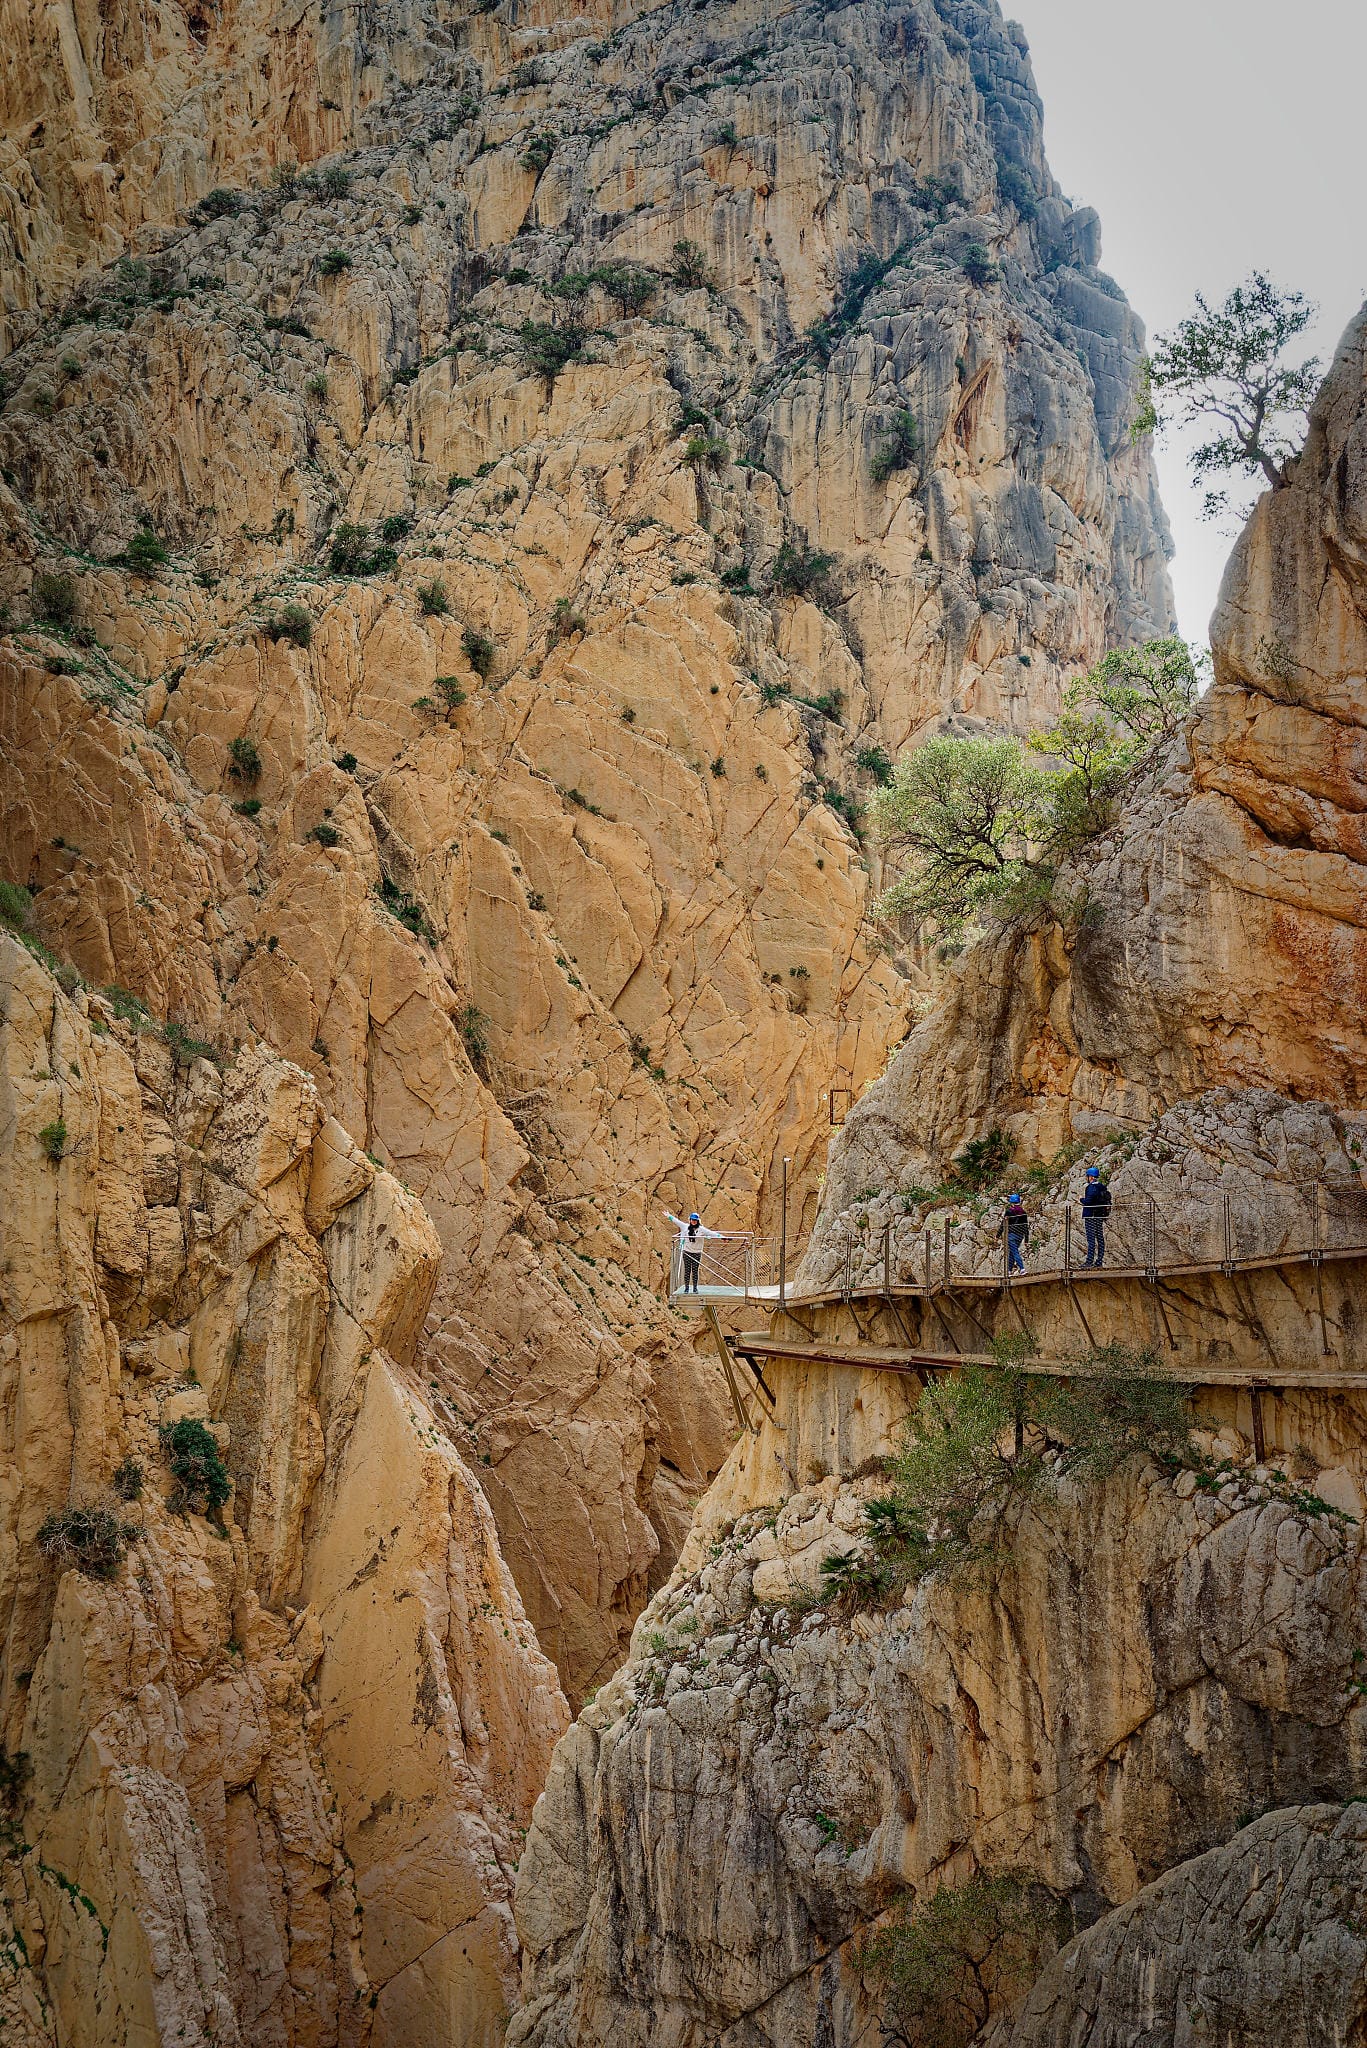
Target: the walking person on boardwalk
(691, 1236)
(1017, 1227)
(1096, 1207)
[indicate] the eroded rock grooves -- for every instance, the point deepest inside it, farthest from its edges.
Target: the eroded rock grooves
(736, 395)
(1136, 1714)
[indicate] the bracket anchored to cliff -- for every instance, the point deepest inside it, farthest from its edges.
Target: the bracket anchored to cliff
(761, 1388)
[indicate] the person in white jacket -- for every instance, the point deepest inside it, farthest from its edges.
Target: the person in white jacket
(691, 1235)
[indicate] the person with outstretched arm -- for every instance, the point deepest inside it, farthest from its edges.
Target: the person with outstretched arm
(1096, 1207)
(691, 1236)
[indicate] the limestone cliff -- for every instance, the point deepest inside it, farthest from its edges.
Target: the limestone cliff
(265, 1770)
(536, 855)
(480, 488)
(1148, 1713)
(1222, 939)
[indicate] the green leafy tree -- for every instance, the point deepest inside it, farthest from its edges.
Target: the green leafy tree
(965, 814)
(1149, 691)
(982, 825)
(1226, 364)
(943, 1963)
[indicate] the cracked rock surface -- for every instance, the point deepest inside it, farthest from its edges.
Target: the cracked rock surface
(750, 1794)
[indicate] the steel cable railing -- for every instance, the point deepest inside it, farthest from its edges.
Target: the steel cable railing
(1139, 1234)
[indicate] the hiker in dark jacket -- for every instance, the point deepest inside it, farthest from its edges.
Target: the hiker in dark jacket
(1017, 1233)
(1096, 1207)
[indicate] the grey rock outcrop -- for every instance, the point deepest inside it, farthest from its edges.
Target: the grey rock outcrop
(1262, 1942)
(752, 1791)
(1214, 938)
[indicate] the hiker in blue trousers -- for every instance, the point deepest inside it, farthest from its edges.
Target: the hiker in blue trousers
(1096, 1207)
(1017, 1234)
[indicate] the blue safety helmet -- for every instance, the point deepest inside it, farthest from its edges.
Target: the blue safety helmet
(695, 1217)
(1013, 1198)
(1093, 1173)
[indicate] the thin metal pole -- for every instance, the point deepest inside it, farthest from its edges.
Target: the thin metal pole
(1317, 1261)
(1229, 1238)
(783, 1245)
(946, 1251)
(1068, 1241)
(927, 1258)
(887, 1256)
(1006, 1253)
(1153, 1239)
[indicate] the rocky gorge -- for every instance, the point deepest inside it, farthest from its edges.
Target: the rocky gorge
(1111, 1719)
(485, 491)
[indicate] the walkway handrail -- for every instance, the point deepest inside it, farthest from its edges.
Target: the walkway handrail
(1257, 1224)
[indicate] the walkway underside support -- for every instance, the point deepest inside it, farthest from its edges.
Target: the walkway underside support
(728, 1366)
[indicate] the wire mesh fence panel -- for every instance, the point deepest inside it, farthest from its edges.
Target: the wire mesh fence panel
(1343, 1215)
(720, 1264)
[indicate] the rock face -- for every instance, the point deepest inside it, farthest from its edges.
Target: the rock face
(1222, 943)
(1148, 1666)
(1292, 1884)
(1156, 1659)
(264, 1778)
(728, 396)
(536, 855)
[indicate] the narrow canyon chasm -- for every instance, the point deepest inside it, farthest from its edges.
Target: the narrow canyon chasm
(486, 492)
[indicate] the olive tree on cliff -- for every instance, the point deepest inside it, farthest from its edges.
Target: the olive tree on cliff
(981, 826)
(1225, 364)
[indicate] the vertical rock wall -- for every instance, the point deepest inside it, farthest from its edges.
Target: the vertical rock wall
(528, 842)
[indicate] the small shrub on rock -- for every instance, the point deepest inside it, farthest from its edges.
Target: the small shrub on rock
(351, 553)
(690, 265)
(52, 1138)
(977, 264)
(799, 570)
(479, 651)
(325, 834)
(202, 1479)
(449, 690)
(92, 1539)
(333, 262)
(55, 599)
(945, 1964)
(244, 759)
(128, 1480)
(546, 349)
(565, 620)
(293, 623)
(220, 204)
(433, 599)
(145, 553)
(538, 152)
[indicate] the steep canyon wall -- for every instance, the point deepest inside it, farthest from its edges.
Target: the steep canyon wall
(1132, 1714)
(521, 852)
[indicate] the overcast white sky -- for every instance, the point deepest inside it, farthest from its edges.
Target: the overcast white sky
(1213, 137)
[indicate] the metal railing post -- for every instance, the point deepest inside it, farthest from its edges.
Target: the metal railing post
(887, 1256)
(946, 1251)
(1006, 1253)
(783, 1244)
(849, 1262)
(1153, 1239)
(1229, 1238)
(928, 1281)
(1068, 1242)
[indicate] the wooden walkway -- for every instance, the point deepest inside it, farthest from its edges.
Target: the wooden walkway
(758, 1348)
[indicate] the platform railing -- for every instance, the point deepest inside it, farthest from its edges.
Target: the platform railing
(733, 1265)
